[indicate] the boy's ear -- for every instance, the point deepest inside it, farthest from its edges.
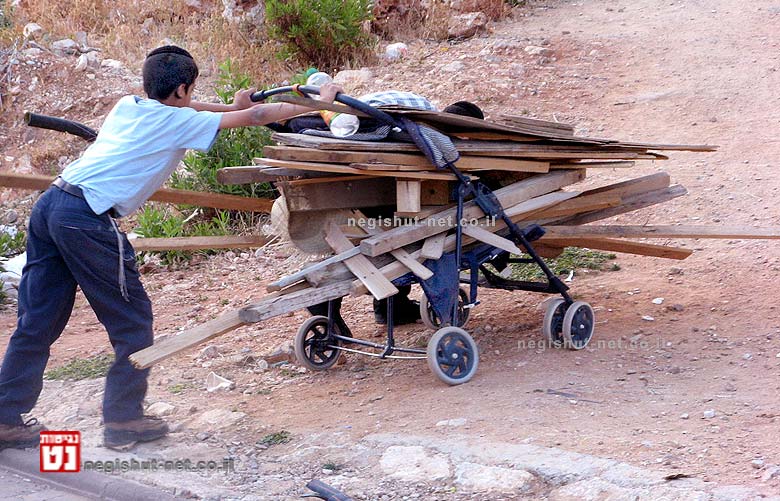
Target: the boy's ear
(180, 91)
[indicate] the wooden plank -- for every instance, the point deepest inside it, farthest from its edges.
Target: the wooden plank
(342, 169)
(379, 286)
(435, 192)
(298, 276)
(665, 231)
(251, 174)
(196, 243)
(489, 238)
(182, 197)
(433, 247)
(407, 195)
(630, 203)
(329, 179)
(507, 196)
(577, 205)
(287, 301)
(405, 258)
(535, 122)
(367, 192)
(618, 164)
(623, 246)
(651, 182)
(171, 346)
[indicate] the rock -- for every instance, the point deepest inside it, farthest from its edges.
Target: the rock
(453, 67)
(250, 12)
(658, 300)
(771, 472)
(218, 419)
(112, 64)
(413, 464)
(203, 436)
(534, 50)
(65, 47)
(594, 489)
(396, 51)
(81, 38)
(32, 30)
(648, 318)
(209, 352)
(477, 477)
(161, 409)
(88, 60)
(709, 414)
(466, 25)
(674, 270)
(452, 422)
(757, 463)
(354, 77)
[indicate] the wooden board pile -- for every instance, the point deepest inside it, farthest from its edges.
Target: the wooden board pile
(330, 186)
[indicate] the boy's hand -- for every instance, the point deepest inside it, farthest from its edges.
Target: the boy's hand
(242, 101)
(328, 92)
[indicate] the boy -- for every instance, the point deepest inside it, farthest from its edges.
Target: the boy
(74, 240)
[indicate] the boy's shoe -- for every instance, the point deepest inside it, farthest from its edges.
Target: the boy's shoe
(21, 436)
(123, 436)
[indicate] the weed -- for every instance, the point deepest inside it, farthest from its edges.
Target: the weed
(280, 437)
(325, 32)
(331, 466)
(12, 244)
(572, 259)
(179, 388)
(82, 368)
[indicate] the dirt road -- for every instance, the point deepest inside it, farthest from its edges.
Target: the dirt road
(695, 390)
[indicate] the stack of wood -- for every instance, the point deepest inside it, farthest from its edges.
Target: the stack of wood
(329, 186)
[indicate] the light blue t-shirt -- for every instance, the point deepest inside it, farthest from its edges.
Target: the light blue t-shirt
(139, 145)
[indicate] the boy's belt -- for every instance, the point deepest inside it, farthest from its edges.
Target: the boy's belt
(74, 190)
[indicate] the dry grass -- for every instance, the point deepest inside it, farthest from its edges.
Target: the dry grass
(128, 29)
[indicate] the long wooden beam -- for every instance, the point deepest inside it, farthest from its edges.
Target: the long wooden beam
(622, 246)
(664, 231)
(183, 197)
(197, 243)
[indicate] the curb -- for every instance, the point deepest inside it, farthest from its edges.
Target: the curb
(85, 483)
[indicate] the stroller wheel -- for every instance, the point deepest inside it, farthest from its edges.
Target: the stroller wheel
(453, 355)
(315, 346)
(431, 320)
(552, 325)
(578, 325)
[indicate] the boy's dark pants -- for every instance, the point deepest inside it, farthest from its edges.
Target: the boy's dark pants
(69, 245)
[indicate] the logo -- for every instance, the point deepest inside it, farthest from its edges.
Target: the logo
(61, 451)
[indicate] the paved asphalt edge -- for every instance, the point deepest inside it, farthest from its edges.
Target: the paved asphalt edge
(85, 483)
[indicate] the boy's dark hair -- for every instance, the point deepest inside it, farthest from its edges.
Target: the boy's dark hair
(165, 69)
(465, 108)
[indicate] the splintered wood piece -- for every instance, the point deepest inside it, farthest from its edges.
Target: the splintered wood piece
(407, 194)
(623, 246)
(173, 345)
(404, 258)
(665, 231)
(577, 205)
(643, 184)
(287, 300)
(433, 247)
(379, 286)
(298, 276)
(508, 196)
(484, 236)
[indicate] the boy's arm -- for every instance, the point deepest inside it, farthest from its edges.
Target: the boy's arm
(241, 100)
(262, 114)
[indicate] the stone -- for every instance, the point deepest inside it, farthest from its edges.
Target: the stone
(112, 64)
(466, 25)
(452, 422)
(250, 12)
(161, 409)
(733, 493)
(32, 30)
(88, 61)
(362, 76)
(477, 477)
(709, 414)
(218, 419)
(684, 416)
(209, 352)
(453, 67)
(413, 464)
(771, 472)
(594, 489)
(65, 47)
(757, 463)
(534, 50)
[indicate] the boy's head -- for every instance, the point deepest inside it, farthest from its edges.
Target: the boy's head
(166, 69)
(465, 108)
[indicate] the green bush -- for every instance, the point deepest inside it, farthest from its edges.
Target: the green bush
(153, 222)
(572, 259)
(328, 33)
(11, 245)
